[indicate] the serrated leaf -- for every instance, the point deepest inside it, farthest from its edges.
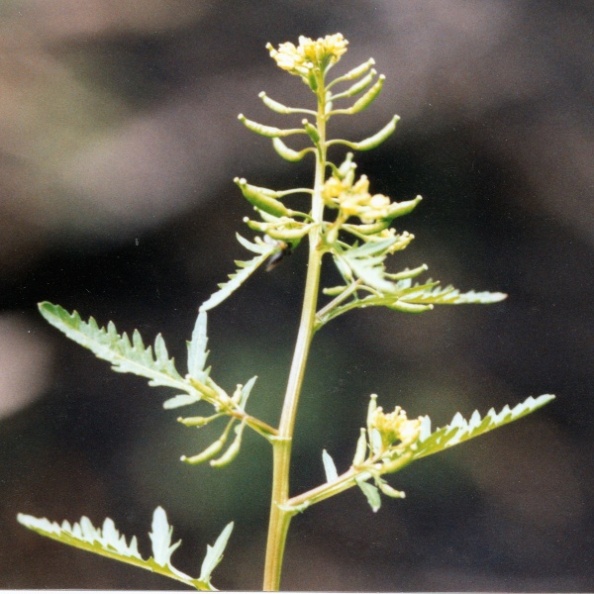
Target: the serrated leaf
(244, 270)
(460, 429)
(124, 355)
(329, 467)
(214, 554)
(108, 542)
(367, 263)
(197, 353)
(372, 494)
(433, 293)
(105, 541)
(160, 535)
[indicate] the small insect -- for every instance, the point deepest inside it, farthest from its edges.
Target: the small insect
(285, 250)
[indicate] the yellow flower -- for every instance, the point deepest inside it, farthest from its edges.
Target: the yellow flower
(354, 199)
(395, 427)
(309, 55)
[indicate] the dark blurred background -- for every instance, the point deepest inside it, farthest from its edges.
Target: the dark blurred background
(118, 144)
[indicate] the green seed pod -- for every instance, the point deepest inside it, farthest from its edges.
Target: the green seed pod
(409, 273)
(371, 411)
(356, 88)
(212, 450)
(370, 229)
(398, 209)
(389, 491)
(361, 450)
(369, 97)
(373, 141)
(268, 131)
(288, 234)
(261, 200)
(355, 72)
(312, 131)
(333, 291)
(232, 450)
(410, 307)
(274, 105)
(289, 154)
(197, 421)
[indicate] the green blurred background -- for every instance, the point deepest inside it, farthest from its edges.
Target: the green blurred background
(118, 144)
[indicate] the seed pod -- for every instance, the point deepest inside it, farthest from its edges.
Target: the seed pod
(356, 72)
(389, 490)
(288, 234)
(274, 105)
(312, 131)
(356, 88)
(212, 450)
(232, 450)
(369, 97)
(261, 200)
(410, 307)
(373, 141)
(287, 153)
(398, 209)
(268, 131)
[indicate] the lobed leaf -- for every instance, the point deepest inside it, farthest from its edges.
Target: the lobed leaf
(125, 355)
(214, 554)
(244, 270)
(197, 353)
(108, 542)
(460, 429)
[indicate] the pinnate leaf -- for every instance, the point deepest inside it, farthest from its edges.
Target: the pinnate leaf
(125, 355)
(245, 268)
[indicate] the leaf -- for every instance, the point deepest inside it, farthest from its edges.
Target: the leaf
(108, 542)
(214, 554)
(367, 263)
(329, 467)
(181, 400)
(460, 429)
(433, 293)
(371, 492)
(197, 353)
(244, 270)
(246, 390)
(161, 538)
(124, 355)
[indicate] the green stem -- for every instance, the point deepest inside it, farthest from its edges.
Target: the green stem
(280, 514)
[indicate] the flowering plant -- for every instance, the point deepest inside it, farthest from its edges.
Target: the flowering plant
(356, 229)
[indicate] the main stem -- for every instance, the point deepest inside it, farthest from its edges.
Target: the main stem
(280, 514)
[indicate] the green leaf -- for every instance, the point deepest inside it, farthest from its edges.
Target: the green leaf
(197, 353)
(367, 263)
(371, 492)
(432, 293)
(181, 400)
(329, 467)
(214, 554)
(125, 356)
(161, 538)
(108, 542)
(244, 270)
(460, 429)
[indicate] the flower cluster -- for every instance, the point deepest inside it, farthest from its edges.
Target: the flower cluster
(394, 427)
(354, 200)
(309, 55)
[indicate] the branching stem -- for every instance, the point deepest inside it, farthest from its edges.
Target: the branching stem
(280, 514)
